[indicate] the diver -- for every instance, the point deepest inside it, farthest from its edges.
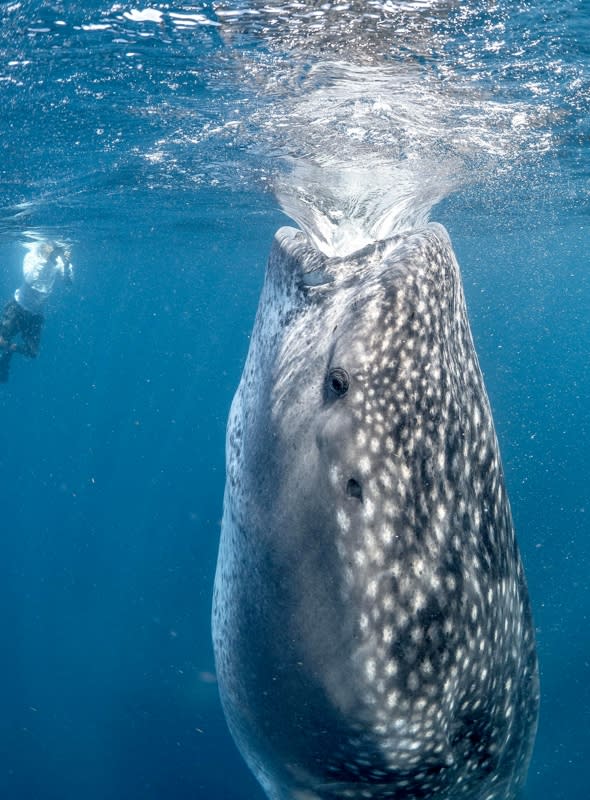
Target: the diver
(22, 317)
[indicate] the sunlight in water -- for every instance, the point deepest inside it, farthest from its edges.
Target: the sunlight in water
(360, 116)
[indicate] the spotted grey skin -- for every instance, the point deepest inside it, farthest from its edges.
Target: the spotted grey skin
(371, 621)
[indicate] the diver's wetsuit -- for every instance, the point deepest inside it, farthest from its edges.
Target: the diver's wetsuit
(15, 321)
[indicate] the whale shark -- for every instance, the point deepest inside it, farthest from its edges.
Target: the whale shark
(371, 622)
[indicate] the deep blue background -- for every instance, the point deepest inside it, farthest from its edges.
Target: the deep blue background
(112, 469)
(112, 463)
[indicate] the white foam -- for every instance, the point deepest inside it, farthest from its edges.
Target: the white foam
(144, 15)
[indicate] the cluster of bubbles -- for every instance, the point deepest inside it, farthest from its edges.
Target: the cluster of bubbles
(377, 111)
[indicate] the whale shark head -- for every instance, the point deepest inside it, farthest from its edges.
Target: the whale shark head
(367, 538)
(372, 392)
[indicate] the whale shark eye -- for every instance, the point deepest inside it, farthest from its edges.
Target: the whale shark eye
(338, 381)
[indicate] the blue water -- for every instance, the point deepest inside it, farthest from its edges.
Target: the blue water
(151, 145)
